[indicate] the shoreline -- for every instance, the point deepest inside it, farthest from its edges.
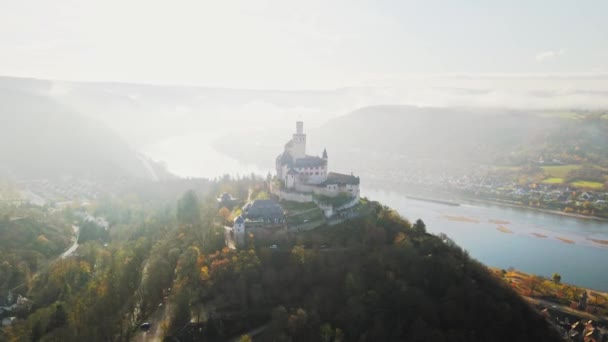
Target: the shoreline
(463, 199)
(546, 211)
(603, 293)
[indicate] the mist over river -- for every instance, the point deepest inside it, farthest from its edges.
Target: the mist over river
(499, 236)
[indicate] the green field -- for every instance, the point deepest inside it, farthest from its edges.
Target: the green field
(296, 206)
(587, 184)
(312, 215)
(553, 180)
(559, 171)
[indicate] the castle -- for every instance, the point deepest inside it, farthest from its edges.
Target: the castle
(300, 178)
(305, 178)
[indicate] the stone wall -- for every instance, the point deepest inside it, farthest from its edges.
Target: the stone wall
(305, 193)
(350, 204)
(291, 196)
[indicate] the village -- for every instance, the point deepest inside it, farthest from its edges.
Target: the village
(545, 189)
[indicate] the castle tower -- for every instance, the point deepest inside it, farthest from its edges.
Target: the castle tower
(326, 167)
(299, 141)
(238, 229)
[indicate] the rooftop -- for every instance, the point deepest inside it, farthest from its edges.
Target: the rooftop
(309, 161)
(285, 158)
(341, 179)
(266, 209)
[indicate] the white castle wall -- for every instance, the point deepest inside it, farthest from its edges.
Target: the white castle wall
(329, 191)
(329, 210)
(290, 195)
(350, 204)
(313, 175)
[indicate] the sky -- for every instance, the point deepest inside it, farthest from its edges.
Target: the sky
(311, 44)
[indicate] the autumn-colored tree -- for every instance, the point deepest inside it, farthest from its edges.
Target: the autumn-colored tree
(224, 213)
(557, 278)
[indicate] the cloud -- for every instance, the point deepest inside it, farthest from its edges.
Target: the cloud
(547, 55)
(566, 76)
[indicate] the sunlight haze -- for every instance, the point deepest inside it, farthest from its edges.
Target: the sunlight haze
(300, 45)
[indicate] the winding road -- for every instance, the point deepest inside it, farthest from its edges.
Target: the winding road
(74, 246)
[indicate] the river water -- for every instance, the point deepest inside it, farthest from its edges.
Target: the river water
(497, 236)
(482, 229)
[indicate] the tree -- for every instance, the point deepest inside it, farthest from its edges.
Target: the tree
(245, 338)
(224, 213)
(58, 318)
(188, 209)
(419, 226)
(278, 324)
(327, 332)
(533, 282)
(557, 278)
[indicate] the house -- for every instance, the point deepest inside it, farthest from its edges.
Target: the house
(267, 211)
(586, 196)
(257, 214)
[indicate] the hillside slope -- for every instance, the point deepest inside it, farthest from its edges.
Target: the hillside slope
(469, 135)
(41, 139)
(380, 279)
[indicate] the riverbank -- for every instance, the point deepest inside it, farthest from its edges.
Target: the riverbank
(547, 211)
(460, 199)
(555, 292)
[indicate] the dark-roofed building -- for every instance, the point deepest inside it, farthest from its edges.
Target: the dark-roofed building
(308, 162)
(341, 179)
(267, 211)
(337, 183)
(256, 214)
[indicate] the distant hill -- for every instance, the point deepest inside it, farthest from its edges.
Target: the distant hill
(399, 137)
(40, 138)
(145, 113)
(489, 136)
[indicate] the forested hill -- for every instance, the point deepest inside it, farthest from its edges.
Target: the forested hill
(42, 139)
(378, 278)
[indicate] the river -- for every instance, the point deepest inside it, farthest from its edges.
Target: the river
(193, 156)
(530, 241)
